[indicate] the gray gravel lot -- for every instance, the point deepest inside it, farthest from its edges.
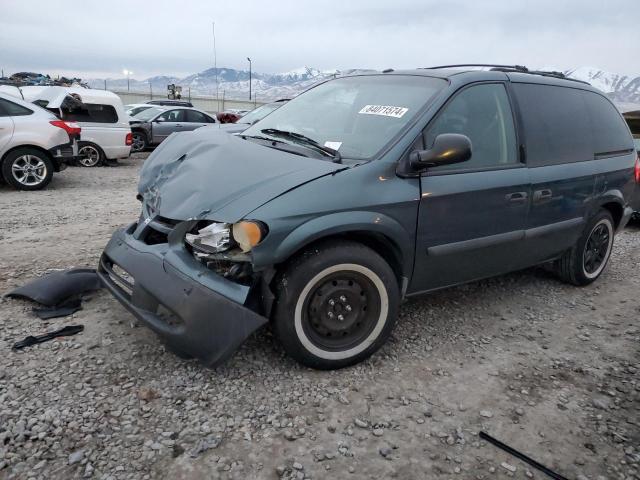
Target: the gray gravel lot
(548, 368)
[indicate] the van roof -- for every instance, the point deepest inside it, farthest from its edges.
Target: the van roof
(515, 73)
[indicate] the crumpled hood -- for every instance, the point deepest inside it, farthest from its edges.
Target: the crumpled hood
(210, 174)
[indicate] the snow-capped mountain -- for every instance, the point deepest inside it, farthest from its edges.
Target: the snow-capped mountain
(269, 86)
(620, 88)
(231, 82)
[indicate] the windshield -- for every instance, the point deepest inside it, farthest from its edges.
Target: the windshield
(148, 113)
(355, 115)
(259, 113)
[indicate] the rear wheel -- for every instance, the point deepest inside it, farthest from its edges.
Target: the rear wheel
(27, 169)
(336, 305)
(89, 155)
(586, 261)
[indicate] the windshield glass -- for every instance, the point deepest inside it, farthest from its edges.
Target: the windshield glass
(259, 113)
(148, 113)
(355, 115)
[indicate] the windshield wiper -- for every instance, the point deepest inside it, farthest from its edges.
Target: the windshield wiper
(337, 158)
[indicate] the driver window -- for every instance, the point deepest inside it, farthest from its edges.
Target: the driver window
(172, 116)
(482, 113)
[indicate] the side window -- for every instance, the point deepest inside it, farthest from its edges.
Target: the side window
(10, 109)
(90, 113)
(610, 133)
(172, 116)
(482, 113)
(556, 124)
(194, 116)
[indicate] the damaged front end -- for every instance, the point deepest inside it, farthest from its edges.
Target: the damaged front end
(203, 303)
(185, 268)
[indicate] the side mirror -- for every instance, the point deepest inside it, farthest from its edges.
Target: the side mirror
(447, 148)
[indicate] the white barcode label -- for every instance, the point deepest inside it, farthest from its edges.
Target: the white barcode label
(384, 110)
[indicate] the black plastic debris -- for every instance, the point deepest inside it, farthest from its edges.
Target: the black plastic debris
(66, 307)
(521, 456)
(56, 288)
(63, 332)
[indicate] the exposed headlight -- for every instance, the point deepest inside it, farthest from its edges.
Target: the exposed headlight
(213, 238)
(248, 234)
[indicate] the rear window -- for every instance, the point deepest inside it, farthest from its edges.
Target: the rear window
(556, 124)
(91, 113)
(610, 132)
(10, 109)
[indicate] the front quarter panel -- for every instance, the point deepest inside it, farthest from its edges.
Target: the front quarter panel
(368, 198)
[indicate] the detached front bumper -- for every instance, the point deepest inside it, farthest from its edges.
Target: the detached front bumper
(196, 311)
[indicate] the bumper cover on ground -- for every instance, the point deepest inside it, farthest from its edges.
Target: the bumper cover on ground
(196, 311)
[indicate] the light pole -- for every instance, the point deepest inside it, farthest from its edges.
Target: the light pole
(249, 77)
(127, 73)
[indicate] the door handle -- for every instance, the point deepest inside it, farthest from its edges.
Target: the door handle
(540, 195)
(516, 197)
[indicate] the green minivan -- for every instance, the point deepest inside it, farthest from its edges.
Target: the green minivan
(363, 190)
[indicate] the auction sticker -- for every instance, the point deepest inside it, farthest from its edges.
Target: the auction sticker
(334, 145)
(384, 110)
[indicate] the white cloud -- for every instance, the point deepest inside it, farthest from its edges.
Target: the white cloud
(94, 38)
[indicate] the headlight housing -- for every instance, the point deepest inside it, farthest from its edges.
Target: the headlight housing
(248, 234)
(213, 238)
(217, 237)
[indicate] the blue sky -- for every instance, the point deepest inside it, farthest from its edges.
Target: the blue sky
(101, 38)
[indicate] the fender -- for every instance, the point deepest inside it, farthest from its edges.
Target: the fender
(336, 223)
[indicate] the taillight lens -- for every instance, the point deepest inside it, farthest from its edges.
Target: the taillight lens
(71, 128)
(128, 140)
(637, 171)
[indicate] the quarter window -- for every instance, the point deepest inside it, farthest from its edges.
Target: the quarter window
(482, 113)
(194, 116)
(610, 133)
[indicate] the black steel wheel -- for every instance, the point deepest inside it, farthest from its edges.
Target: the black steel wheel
(586, 261)
(337, 306)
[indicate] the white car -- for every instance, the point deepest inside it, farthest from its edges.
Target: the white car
(106, 135)
(34, 143)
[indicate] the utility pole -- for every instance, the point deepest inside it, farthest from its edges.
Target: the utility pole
(215, 63)
(249, 77)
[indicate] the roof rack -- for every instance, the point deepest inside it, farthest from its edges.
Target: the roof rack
(512, 68)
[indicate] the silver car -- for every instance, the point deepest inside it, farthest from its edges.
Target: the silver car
(34, 143)
(150, 127)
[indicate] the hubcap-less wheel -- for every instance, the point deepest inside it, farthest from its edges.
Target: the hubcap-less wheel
(29, 170)
(138, 142)
(597, 249)
(89, 156)
(341, 311)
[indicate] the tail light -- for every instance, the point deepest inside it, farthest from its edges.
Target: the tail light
(128, 140)
(637, 170)
(71, 128)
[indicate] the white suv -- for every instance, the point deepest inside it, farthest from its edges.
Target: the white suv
(34, 143)
(106, 135)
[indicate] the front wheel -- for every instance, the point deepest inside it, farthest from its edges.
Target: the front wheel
(336, 305)
(586, 261)
(139, 142)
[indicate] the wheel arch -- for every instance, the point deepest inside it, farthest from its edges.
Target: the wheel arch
(44, 151)
(379, 232)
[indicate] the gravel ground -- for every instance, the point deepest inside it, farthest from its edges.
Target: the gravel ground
(548, 368)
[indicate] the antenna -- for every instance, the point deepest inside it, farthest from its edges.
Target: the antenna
(215, 62)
